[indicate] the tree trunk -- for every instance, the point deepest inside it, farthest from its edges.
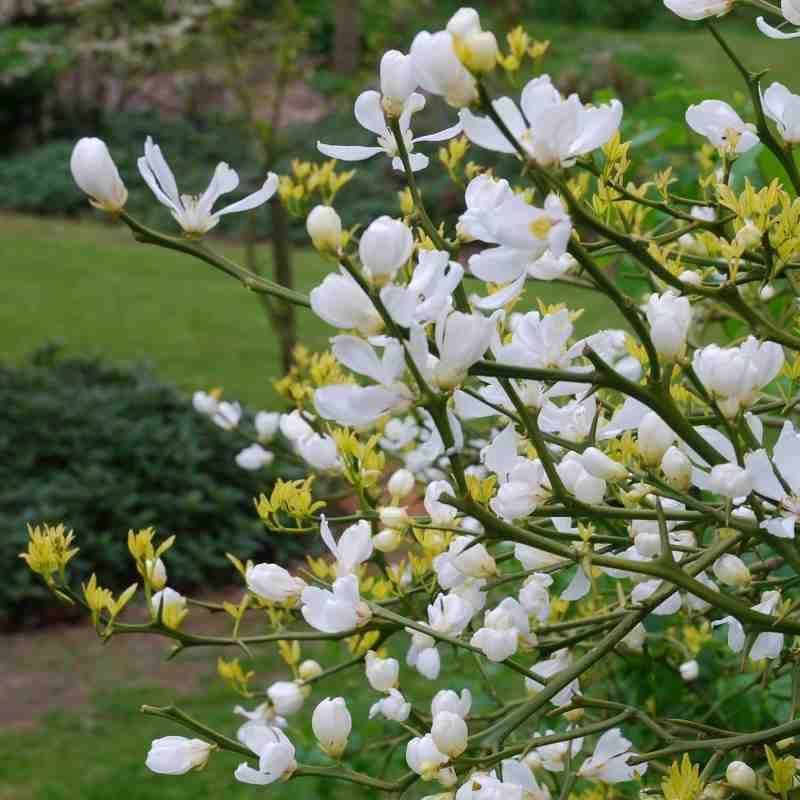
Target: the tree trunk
(347, 40)
(284, 318)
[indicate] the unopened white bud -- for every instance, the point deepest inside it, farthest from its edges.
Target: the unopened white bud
(324, 226)
(332, 724)
(401, 484)
(309, 669)
(740, 775)
(395, 517)
(732, 571)
(177, 755)
(655, 437)
(598, 464)
(767, 292)
(730, 480)
(749, 236)
(156, 573)
(689, 670)
(388, 540)
(479, 52)
(475, 561)
(382, 673)
(398, 81)
(677, 468)
(385, 246)
(450, 732)
(95, 172)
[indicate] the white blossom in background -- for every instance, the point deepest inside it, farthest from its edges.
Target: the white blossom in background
(194, 213)
(254, 457)
(393, 707)
(286, 697)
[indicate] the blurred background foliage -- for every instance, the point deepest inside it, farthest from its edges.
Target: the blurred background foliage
(111, 449)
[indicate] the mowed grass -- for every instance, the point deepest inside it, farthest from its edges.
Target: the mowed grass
(94, 289)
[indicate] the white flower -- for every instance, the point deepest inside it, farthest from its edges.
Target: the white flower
(449, 614)
(730, 480)
(504, 628)
(286, 697)
(740, 775)
(695, 10)
(439, 512)
(205, 403)
(382, 673)
(609, 762)
(553, 131)
(736, 375)
(398, 81)
(424, 758)
(294, 427)
(319, 452)
(475, 561)
(483, 197)
(387, 540)
(262, 716)
(766, 644)
(636, 638)
(341, 302)
(177, 755)
(309, 669)
(669, 317)
(393, 707)
(335, 611)
(722, 126)
(476, 48)
(449, 700)
(354, 546)
(332, 724)
(791, 13)
(169, 605)
(227, 415)
(370, 115)
(525, 489)
(449, 733)
(385, 246)
(554, 757)
(401, 484)
(534, 596)
(785, 458)
(461, 339)
(677, 468)
(423, 655)
(324, 227)
(439, 69)
(524, 233)
(560, 661)
(428, 294)
(275, 753)
(267, 424)
(254, 457)
(783, 107)
(194, 212)
(273, 583)
(654, 438)
(96, 174)
(598, 464)
(689, 670)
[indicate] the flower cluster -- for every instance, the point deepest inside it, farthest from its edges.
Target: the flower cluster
(531, 504)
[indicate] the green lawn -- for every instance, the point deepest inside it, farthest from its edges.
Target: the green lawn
(96, 290)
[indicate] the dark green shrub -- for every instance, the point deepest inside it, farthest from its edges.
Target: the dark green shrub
(105, 449)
